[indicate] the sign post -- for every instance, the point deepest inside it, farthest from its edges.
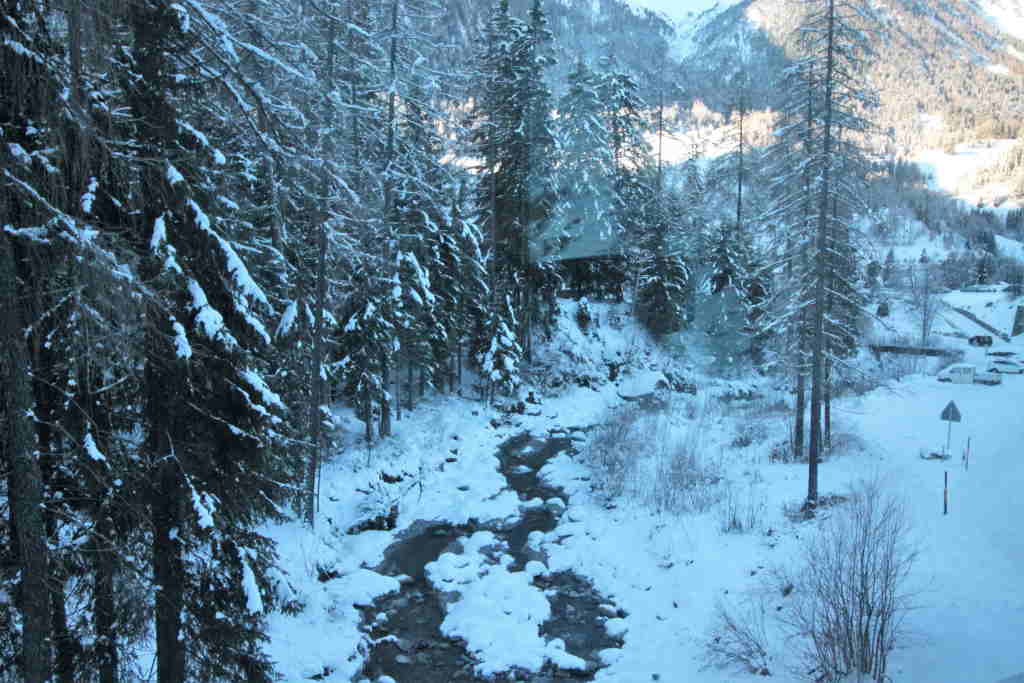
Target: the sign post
(950, 414)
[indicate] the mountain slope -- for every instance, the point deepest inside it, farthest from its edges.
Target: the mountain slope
(945, 70)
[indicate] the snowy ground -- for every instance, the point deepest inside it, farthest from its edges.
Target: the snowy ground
(994, 306)
(953, 173)
(666, 570)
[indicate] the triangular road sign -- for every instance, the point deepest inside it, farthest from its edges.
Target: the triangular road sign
(950, 413)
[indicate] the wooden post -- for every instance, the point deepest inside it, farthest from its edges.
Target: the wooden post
(945, 495)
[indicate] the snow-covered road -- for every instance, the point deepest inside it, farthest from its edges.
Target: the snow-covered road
(971, 569)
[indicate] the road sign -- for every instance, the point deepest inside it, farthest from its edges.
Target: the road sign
(950, 414)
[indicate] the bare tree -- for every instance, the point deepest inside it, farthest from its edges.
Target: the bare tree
(851, 592)
(924, 298)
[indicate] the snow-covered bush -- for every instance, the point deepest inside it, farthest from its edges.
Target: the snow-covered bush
(748, 433)
(583, 315)
(851, 587)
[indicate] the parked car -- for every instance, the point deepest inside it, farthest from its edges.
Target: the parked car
(965, 373)
(980, 340)
(1006, 365)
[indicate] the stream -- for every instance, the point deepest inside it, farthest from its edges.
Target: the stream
(406, 626)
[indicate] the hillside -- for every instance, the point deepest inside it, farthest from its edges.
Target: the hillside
(945, 71)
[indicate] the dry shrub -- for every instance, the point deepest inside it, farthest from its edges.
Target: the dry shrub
(612, 452)
(739, 514)
(684, 480)
(653, 458)
(748, 433)
(851, 591)
(738, 637)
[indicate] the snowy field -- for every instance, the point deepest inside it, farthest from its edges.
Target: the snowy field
(993, 307)
(953, 173)
(665, 569)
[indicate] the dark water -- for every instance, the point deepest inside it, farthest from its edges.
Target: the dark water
(417, 652)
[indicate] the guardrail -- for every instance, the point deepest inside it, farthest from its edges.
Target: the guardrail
(981, 323)
(879, 349)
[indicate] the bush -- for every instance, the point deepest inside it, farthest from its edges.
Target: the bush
(782, 452)
(748, 433)
(611, 451)
(738, 515)
(738, 637)
(645, 456)
(851, 596)
(583, 315)
(683, 481)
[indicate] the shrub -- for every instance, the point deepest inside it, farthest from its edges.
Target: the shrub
(782, 452)
(685, 482)
(738, 637)
(851, 595)
(738, 515)
(611, 451)
(749, 432)
(583, 315)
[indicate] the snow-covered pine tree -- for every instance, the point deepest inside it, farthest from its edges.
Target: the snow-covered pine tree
(821, 133)
(664, 275)
(510, 131)
(69, 317)
(417, 180)
(208, 413)
(497, 133)
(468, 292)
(631, 159)
(539, 278)
(500, 358)
(722, 292)
(586, 178)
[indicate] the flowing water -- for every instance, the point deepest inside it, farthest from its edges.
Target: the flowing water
(410, 647)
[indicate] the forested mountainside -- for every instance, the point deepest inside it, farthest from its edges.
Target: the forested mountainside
(945, 72)
(637, 38)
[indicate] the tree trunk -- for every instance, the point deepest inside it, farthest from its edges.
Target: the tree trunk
(801, 406)
(739, 167)
(168, 574)
(104, 605)
(65, 644)
(821, 269)
(828, 408)
(26, 494)
(385, 403)
(409, 387)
